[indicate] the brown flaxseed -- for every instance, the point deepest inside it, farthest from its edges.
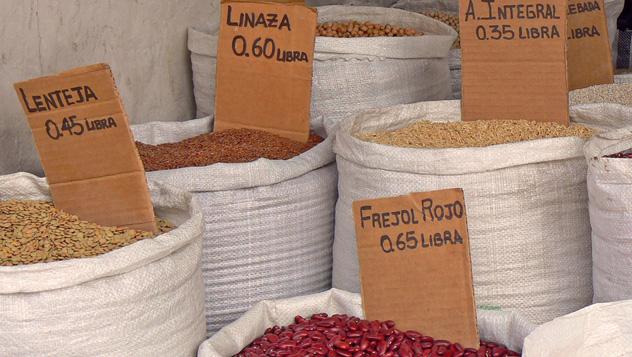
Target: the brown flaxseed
(227, 146)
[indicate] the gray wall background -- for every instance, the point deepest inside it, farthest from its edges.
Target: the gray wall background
(144, 41)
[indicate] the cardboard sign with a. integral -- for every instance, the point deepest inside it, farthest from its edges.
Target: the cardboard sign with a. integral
(589, 57)
(86, 147)
(514, 60)
(264, 68)
(415, 266)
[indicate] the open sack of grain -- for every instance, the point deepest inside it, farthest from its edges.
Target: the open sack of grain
(352, 74)
(144, 299)
(498, 327)
(526, 200)
(597, 330)
(268, 224)
(610, 203)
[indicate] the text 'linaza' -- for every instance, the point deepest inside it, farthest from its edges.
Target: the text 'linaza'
(252, 20)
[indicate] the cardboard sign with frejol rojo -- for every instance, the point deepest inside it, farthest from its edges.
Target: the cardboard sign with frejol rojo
(514, 60)
(415, 267)
(86, 147)
(589, 57)
(264, 68)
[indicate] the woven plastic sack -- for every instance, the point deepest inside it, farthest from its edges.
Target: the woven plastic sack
(526, 208)
(501, 327)
(596, 331)
(268, 224)
(145, 299)
(610, 204)
(353, 74)
(454, 57)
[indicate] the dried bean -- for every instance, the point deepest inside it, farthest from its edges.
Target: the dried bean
(360, 338)
(36, 232)
(363, 29)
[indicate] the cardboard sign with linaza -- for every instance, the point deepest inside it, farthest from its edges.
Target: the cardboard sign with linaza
(262, 47)
(409, 239)
(513, 12)
(62, 98)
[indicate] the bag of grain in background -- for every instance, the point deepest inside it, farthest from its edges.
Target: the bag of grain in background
(595, 331)
(495, 326)
(268, 223)
(526, 207)
(145, 299)
(353, 74)
(446, 11)
(610, 204)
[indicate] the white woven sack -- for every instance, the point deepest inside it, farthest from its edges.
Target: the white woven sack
(599, 330)
(623, 78)
(612, 10)
(353, 74)
(526, 208)
(268, 223)
(145, 299)
(501, 327)
(610, 205)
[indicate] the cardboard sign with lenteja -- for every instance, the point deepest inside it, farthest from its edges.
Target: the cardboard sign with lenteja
(86, 147)
(415, 264)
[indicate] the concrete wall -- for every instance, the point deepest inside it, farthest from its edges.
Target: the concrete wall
(144, 41)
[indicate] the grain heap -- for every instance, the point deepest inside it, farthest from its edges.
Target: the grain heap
(363, 29)
(36, 232)
(227, 146)
(605, 93)
(449, 19)
(480, 133)
(343, 335)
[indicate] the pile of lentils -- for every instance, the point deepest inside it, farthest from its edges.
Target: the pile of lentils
(363, 29)
(619, 93)
(448, 19)
(347, 336)
(479, 133)
(226, 146)
(37, 232)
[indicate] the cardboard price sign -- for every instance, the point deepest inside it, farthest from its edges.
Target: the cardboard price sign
(86, 147)
(415, 264)
(589, 57)
(514, 60)
(264, 68)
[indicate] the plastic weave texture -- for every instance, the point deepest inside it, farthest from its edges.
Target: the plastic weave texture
(502, 327)
(145, 299)
(268, 224)
(526, 205)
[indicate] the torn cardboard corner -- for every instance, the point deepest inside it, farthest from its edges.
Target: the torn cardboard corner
(86, 147)
(415, 265)
(514, 60)
(264, 68)
(589, 56)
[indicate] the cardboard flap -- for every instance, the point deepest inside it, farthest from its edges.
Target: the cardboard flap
(514, 60)
(589, 57)
(264, 68)
(415, 266)
(86, 147)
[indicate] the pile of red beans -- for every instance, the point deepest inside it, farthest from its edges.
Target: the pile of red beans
(346, 336)
(622, 155)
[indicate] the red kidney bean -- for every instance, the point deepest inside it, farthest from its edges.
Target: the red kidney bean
(345, 336)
